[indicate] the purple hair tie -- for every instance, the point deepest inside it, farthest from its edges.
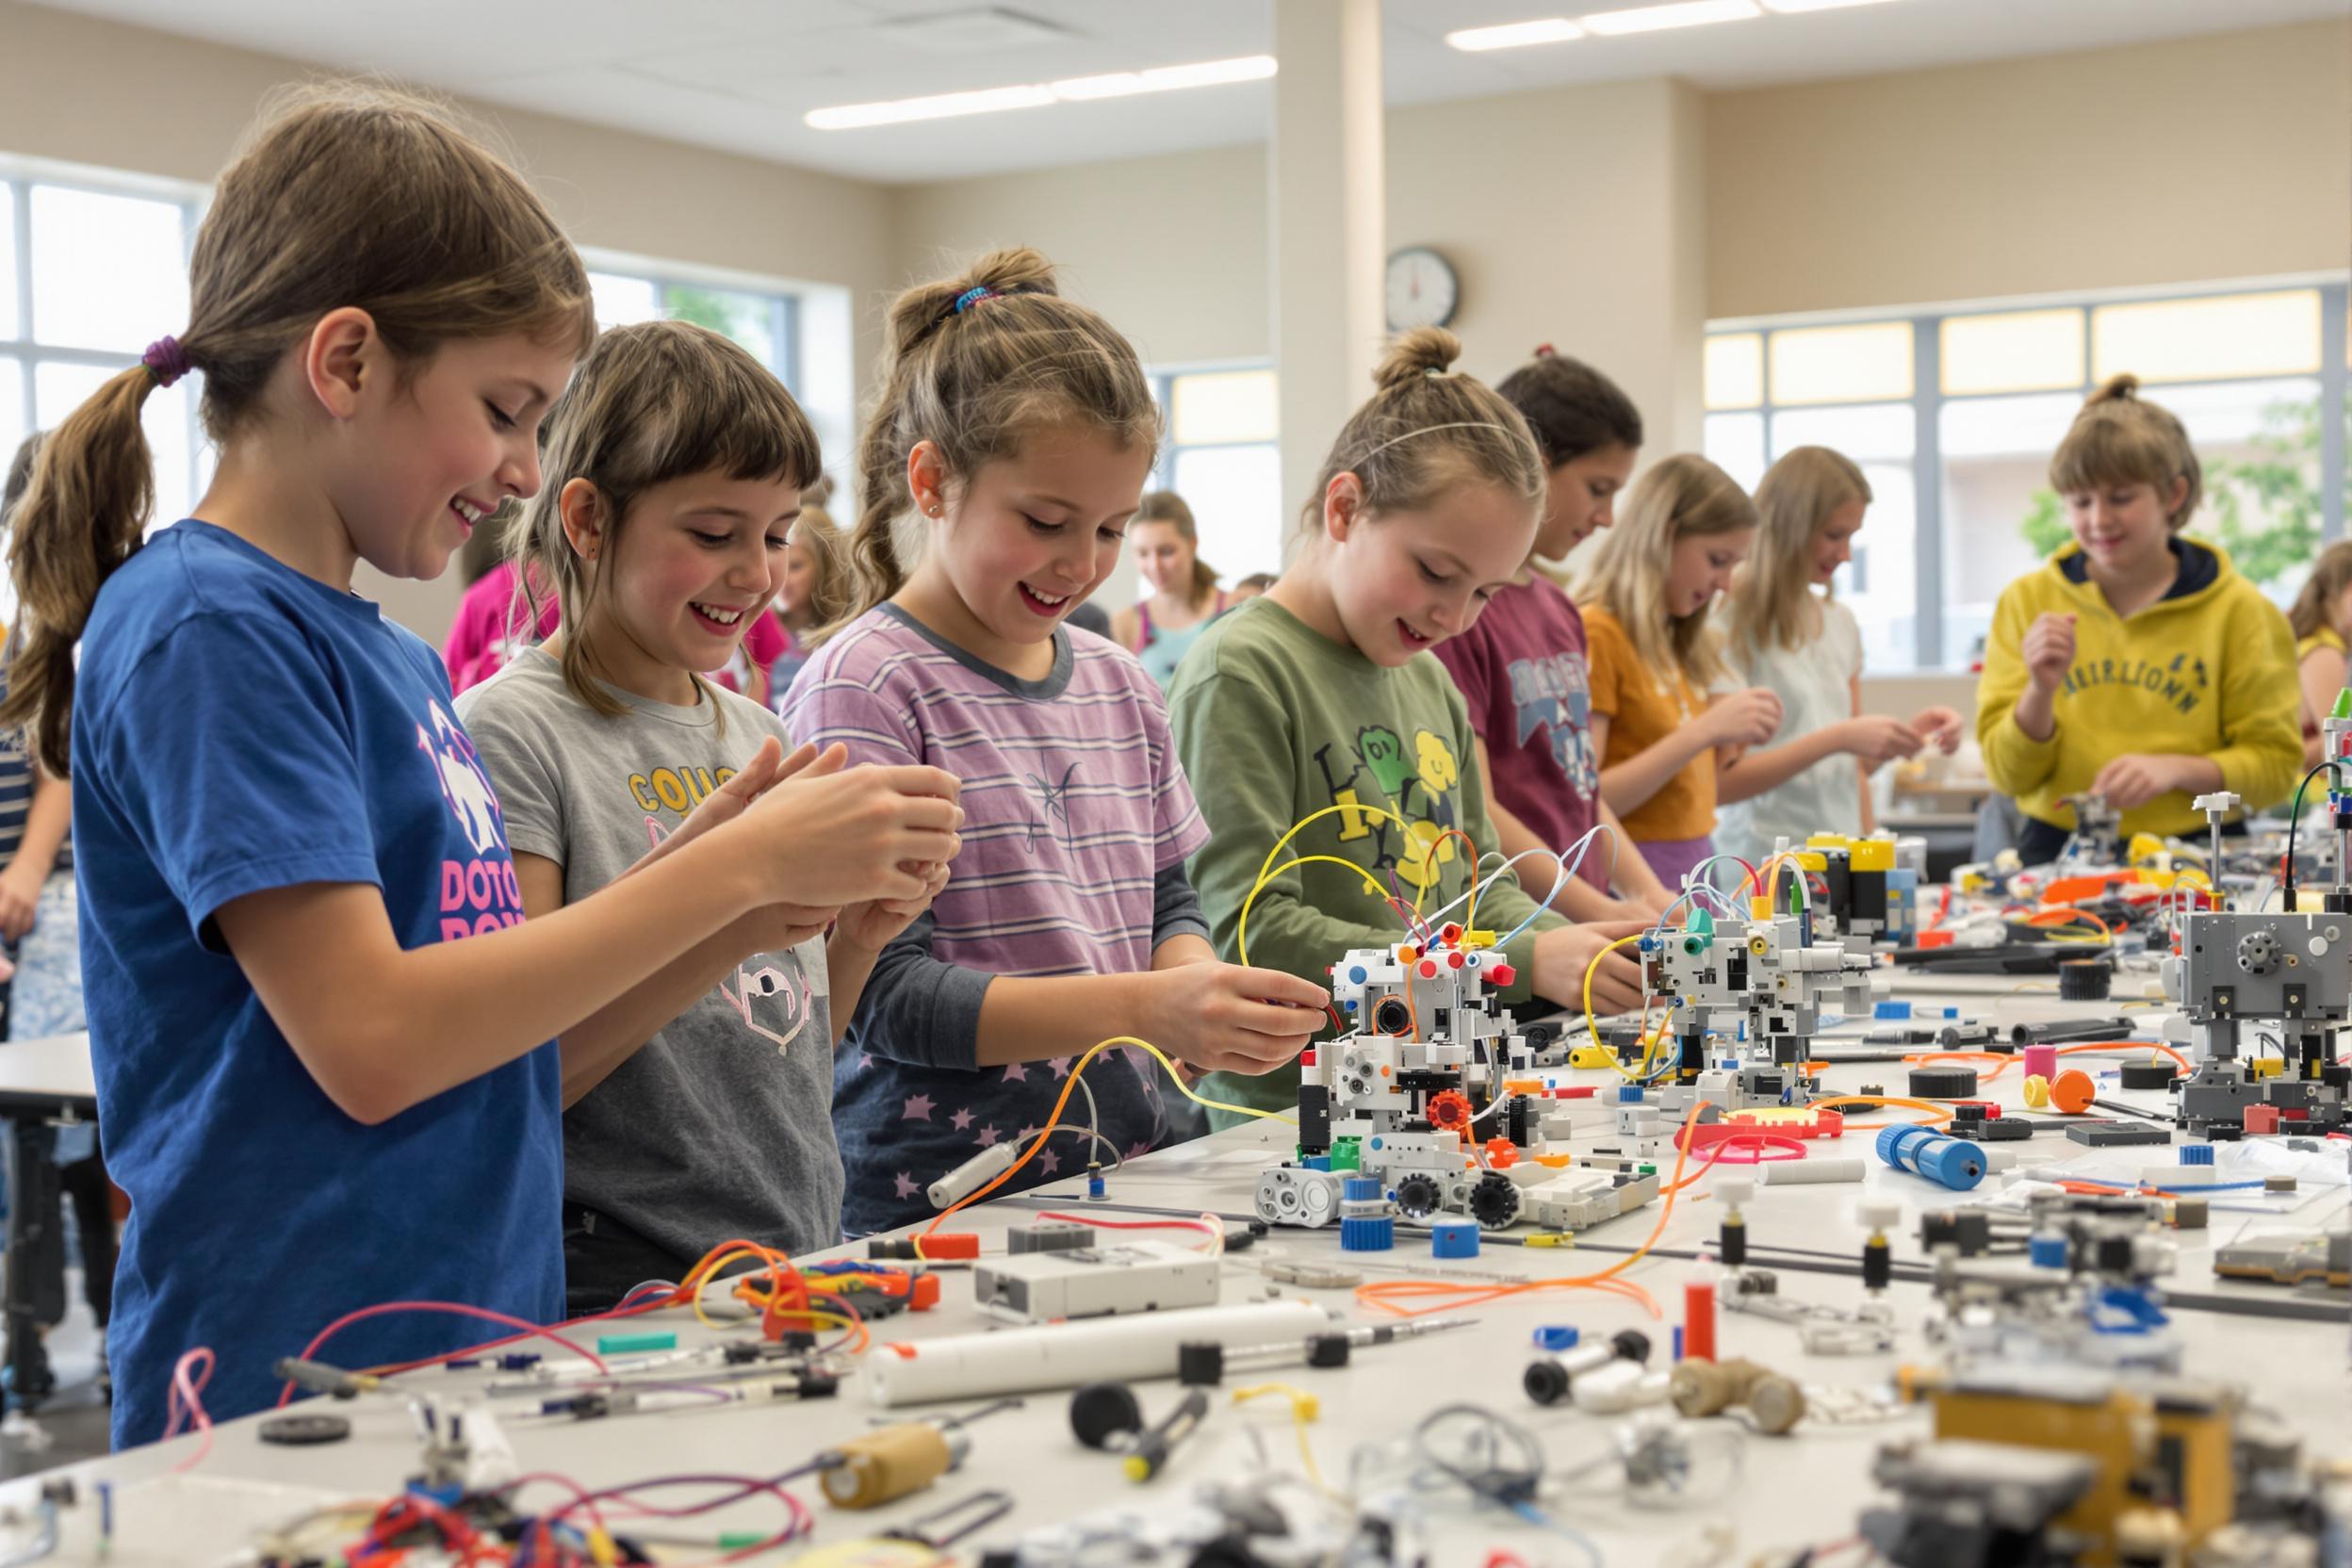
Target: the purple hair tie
(165, 359)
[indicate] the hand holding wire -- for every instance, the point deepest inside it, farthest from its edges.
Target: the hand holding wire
(1224, 1018)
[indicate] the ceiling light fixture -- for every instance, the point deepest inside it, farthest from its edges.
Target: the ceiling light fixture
(1654, 19)
(1791, 7)
(1077, 90)
(1513, 34)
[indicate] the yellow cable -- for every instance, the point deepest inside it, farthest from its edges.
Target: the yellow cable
(1304, 1408)
(1591, 1028)
(1266, 875)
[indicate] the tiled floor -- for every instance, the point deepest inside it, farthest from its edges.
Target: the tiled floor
(73, 1423)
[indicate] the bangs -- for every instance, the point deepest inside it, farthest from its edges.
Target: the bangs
(2101, 450)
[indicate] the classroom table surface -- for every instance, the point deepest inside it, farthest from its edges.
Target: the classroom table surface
(47, 1071)
(1758, 1492)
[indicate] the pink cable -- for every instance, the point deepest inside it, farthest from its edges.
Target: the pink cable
(453, 1309)
(184, 1404)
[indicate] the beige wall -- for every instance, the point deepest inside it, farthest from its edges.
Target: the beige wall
(124, 98)
(2206, 158)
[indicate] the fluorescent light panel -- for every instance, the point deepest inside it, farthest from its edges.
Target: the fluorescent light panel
(1512, 35)
(1790, 7)
(1653, 19)
(1076, 89)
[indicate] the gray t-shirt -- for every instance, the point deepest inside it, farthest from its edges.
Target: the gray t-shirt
(722, 1125)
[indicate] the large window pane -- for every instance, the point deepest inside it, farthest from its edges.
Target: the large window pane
(624, 302)
(1223, 406)
(1881, 584)
(748, 319)
(58, 389)
(10, 325)
(2019, 350)
(1842, 365)
(2258, 442)
(1999, 516)
(1735, 444)
(108, 271)
(1235, 494)
(14, 425)
(2230, 335)
(1884, 431)
(1735, 370)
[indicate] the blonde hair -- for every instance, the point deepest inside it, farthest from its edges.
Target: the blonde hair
(1424, 430)
(829, 586)
(1167, 506)
(343, 196)
(1679, 497)
(2331, 573)
(1772, 598)
(2118, 438)
(974, 364)
(652, 402)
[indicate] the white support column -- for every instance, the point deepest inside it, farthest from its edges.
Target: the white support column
(1325, 179)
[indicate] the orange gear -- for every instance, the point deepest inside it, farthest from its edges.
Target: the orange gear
(1449, 1111)
(1501, 1153)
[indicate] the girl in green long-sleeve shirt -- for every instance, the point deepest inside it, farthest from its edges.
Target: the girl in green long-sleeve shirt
(1321, 694)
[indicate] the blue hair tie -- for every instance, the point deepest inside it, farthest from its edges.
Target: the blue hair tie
(973, 295)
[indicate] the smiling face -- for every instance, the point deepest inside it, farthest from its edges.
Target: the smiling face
(1164, 556)
(417, 466)
(1024, 542)
(1700, 566)
(1581, 498)
(1405, 581)
(2123, 528)
(1832, 542)
(695, 564)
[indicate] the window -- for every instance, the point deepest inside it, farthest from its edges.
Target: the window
(1220, 456)
(1954, 414)
(90, 273)
(761, 322)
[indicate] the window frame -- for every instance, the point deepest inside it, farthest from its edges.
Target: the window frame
(783, 299)
(23, 355)
(1928, 399)
(1162, 379)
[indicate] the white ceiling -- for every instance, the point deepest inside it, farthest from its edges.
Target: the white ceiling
(738, 74)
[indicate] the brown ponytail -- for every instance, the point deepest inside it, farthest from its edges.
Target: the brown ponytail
(971, 365)
(344, 196)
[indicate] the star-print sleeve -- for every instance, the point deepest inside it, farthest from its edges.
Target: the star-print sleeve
(919, 1009)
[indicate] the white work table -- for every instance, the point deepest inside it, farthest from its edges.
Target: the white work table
(1807, 1488)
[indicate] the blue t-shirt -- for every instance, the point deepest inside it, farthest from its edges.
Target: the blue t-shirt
(239, 727)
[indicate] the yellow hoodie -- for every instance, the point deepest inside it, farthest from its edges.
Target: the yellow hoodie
(2206, 671)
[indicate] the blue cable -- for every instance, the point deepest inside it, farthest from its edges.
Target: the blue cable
(1536, 1516)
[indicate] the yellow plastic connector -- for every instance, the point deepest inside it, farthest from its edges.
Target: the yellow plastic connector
(1591, 1055)
(2266, 1067)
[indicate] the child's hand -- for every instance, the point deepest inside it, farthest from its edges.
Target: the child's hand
(870, 926)
(1941, 727)
(1747, 718)
(19, 895)
(2049, 649)
(774, 927)
(1876, 739)
(1222, 1017)
(768, 766)
(835, 836)
(2136, 779)
(1563, 953)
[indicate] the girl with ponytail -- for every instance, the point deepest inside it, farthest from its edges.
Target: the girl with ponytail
(1001, 464)
(1322, 694)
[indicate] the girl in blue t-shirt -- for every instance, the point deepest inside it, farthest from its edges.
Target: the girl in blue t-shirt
(320, 1097)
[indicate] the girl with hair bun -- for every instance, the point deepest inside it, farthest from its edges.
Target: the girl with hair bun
(2135, 663)
(1321, 694)
(1001, 464)
(1184, 594)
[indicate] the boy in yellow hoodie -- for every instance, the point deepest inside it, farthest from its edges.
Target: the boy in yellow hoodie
(2134, 663)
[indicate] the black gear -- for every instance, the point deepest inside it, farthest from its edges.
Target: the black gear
(1418, 1197)
(1943, 1082)
(1494, 1201)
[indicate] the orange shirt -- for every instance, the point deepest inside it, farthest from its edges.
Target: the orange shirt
(1645, 705)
